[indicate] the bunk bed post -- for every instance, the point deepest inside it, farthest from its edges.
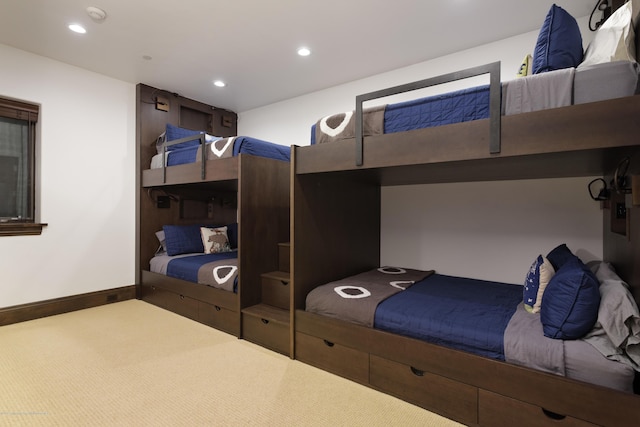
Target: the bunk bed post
(493, 69)
(494, 107)
(203, 155)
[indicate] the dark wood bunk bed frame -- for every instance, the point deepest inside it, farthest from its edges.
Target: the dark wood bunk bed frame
(254, 191)
(335, 233)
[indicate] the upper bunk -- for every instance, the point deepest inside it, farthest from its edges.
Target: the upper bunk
(579, 139)
(187, 143)
(569, 112)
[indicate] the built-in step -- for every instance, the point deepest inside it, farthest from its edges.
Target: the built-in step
(267, 323)
(275, 289)
(284, 249)
(267, 326)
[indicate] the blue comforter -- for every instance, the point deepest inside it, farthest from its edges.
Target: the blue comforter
(461, 313)
(241, 145)
(451, 107)
(186, 268)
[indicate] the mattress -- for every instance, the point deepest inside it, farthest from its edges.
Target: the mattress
(480, 317)
(219, 270)
(223, 148)
(558, 88)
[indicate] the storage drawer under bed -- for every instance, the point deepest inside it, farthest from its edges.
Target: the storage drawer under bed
(177, 303)
(447, 397)
(333, 357)
(496, 410)
(219, 317)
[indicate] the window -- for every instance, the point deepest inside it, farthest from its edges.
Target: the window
(17, 167)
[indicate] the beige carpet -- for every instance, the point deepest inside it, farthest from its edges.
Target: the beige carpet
(133, 364)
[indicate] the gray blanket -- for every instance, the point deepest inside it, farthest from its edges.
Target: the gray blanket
(616, 333)
(217, 149)
(355, 298)
(219, 274)
(342, 126)
(526, 345)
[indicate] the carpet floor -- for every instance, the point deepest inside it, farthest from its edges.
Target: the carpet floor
(134, 364)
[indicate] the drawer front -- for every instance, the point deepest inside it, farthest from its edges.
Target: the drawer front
(219, 318)
(497, 410)
(184, 306)
(276, 291)
(266, 332)
(439, 394)
(155, 296)
(180, 304)
(333, 357)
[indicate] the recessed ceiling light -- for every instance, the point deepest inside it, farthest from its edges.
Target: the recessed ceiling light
(76, 28)
(219, 83)
(304, 51)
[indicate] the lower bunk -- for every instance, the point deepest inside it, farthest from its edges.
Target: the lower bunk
(499, 370)
(194, 273)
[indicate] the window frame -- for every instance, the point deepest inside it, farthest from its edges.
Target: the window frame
(21, 110)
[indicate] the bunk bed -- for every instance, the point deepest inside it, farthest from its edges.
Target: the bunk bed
(190, 188)
(335, 247)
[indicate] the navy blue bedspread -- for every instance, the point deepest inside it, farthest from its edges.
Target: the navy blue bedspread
(461, 313)
(258, 147)
(452, 107)
(241, 145)
(186, 268)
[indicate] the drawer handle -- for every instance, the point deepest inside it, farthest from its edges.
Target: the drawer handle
(217, 308)
(153, 288)
(328, 343)
(265, 321)
(181, 296)
(284, 282)
(417, 372)
(553, 415)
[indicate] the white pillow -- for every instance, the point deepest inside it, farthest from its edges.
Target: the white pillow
(535, 283)
(614, 40)
(215, 240)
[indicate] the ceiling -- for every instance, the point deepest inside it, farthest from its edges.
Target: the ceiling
(251, 44)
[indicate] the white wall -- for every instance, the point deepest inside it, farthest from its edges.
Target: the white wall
(87, 172)
(484, 230)
(490, 231)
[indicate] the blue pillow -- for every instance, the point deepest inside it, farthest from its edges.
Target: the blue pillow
(174, 132)
(559, 43)
(559, 255)
(187, 239)
(183, 239)
(570, 303)
(232, 234)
